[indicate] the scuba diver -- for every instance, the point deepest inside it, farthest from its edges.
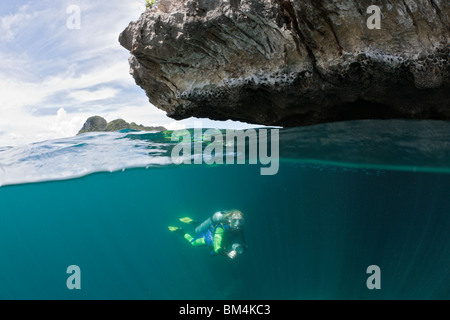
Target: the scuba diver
(222, 231)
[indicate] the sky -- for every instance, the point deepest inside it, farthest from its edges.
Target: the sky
(57, 70)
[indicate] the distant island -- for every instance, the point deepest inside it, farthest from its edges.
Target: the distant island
(99, 124)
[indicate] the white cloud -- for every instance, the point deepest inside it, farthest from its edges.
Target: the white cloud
(65, 125)
(16, 93)
(11, 24)
(99, 76)
(87, 95)
(23, 128)
(61, 69)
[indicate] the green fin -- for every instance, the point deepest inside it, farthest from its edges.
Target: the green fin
(186, 220)
(173, 228)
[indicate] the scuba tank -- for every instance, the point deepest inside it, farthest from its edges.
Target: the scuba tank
(204, 226)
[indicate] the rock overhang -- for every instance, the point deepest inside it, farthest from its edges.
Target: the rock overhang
(294, 62)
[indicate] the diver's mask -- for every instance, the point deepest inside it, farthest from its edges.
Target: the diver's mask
(236, 223)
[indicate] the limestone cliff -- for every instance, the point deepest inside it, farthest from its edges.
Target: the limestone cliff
(293, 62)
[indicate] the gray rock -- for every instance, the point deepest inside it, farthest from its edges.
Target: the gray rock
(293, 62)
(99, 124)
(94, 124)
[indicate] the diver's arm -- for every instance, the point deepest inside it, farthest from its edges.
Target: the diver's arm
(218, 244)
(218, 239)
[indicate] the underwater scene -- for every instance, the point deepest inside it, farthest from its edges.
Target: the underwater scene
(343, 199)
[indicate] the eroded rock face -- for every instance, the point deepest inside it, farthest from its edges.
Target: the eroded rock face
(293, 62)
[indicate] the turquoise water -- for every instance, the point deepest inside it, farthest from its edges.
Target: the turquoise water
(338, 204)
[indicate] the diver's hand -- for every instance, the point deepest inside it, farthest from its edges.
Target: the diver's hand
(232, 254)
(238, 248)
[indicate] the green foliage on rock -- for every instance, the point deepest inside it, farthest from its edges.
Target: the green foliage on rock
(150, 3)
(116, 125)
(140, 127)
(99, 124)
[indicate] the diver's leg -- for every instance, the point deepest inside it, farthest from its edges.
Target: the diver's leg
(195, 243)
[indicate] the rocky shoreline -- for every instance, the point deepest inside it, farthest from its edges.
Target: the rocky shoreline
(99, 124)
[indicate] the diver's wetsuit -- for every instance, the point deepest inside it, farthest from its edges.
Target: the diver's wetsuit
(220, 237)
